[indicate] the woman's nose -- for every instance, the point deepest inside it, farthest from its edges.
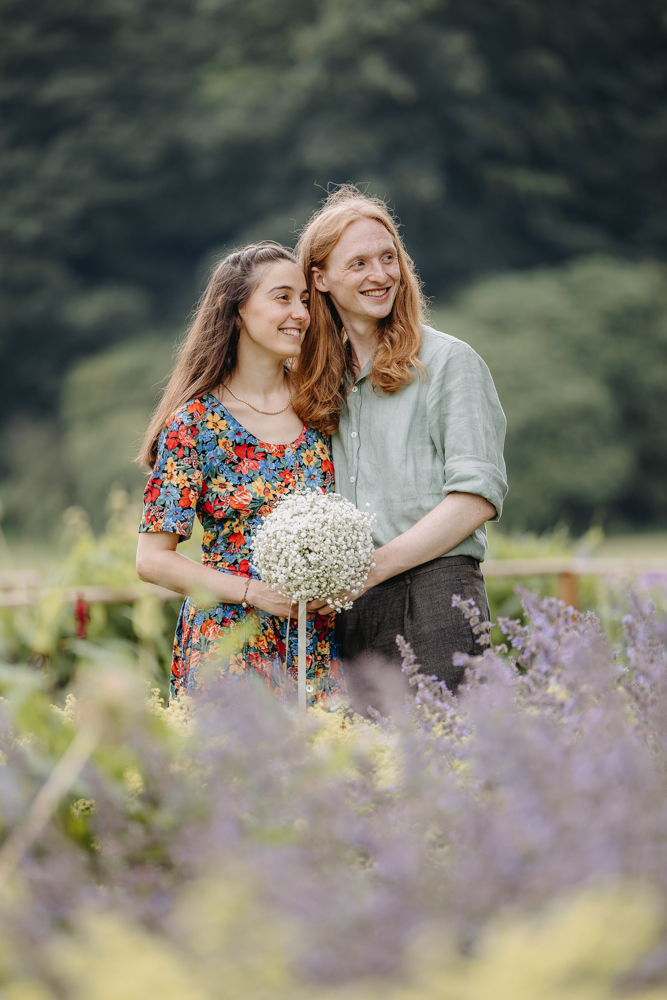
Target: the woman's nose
(301, 310)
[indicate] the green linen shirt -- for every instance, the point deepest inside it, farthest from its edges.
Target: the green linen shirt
(399, 454)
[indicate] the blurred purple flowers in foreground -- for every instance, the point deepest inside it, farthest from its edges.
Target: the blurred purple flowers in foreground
(514, 835)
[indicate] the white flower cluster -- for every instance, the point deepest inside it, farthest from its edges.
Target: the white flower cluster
(315, 546)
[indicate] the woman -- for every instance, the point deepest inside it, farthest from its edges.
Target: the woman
(224, 443)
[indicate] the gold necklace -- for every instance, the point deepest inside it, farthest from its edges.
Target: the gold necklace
(267, 413)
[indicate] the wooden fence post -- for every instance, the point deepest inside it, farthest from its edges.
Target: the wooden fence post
(568, 589)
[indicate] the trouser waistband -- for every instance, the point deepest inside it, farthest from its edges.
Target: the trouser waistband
(441, 564)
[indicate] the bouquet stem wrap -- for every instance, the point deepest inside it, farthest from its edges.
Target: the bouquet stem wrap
(301, 683)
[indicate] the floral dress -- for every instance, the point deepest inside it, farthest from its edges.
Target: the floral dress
(210, 466)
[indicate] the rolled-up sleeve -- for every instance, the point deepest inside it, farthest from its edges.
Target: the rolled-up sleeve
(467, 425)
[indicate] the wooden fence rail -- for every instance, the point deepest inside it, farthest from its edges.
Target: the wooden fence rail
(566, 568)
(569, 569)
(21, 597)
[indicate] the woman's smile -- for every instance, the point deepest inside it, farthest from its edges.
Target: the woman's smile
(277, 309)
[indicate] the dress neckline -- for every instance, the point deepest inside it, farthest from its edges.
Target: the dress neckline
(265, 444)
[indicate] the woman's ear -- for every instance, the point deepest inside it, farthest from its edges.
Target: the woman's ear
(320, 280)
(220, 301)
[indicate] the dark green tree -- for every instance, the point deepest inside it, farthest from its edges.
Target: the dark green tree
(98, 180)
(507, 133)
(579, 357)
(138, 135)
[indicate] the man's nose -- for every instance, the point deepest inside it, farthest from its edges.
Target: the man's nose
(378, 272)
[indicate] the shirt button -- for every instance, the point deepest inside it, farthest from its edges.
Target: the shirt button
(354, 434)
(351, 479)
(355, 388)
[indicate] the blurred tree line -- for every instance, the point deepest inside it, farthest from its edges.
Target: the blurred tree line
(140, 138)
(579, 356)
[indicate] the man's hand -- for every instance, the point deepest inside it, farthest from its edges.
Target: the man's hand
(322, 608)
(439, 531)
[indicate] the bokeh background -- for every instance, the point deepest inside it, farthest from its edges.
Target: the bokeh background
(522, 144)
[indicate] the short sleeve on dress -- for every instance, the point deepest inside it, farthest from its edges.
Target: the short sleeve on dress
(176, 483)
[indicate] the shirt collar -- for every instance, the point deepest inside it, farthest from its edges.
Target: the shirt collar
(350, 380)
(364, 371)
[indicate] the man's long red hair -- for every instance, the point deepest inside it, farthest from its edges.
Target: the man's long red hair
(325, 357)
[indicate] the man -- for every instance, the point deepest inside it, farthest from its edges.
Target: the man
(419, 437)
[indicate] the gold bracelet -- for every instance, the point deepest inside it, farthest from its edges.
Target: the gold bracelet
(245, 594)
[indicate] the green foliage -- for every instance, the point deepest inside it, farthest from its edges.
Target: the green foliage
(579, 357)
(94, 169)
(502, 590)
(106, 404)
(105, 408)
(139, 630)
(505, 134)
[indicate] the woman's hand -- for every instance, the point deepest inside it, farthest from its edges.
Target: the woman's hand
(262, 597)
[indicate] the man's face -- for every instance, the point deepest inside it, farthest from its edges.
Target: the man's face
(361, 274)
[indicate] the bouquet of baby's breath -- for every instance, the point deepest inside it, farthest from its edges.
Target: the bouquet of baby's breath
(315, 546)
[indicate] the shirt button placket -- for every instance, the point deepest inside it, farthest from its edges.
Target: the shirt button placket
(354, 434)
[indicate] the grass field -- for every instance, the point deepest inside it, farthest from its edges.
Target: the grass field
(639, 545)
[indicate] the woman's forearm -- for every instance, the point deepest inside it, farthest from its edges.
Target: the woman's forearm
(159, 562)
(170, 569)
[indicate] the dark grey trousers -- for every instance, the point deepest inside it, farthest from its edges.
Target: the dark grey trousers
(418, 606)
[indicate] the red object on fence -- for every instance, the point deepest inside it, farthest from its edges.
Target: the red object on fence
(81, 617)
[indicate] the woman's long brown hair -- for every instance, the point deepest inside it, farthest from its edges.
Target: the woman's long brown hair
(208, 354)
(325, 356)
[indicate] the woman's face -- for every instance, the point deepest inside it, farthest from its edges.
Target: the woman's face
(361, 274)
(275, 317)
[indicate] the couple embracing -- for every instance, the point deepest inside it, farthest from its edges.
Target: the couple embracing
(316, 369)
